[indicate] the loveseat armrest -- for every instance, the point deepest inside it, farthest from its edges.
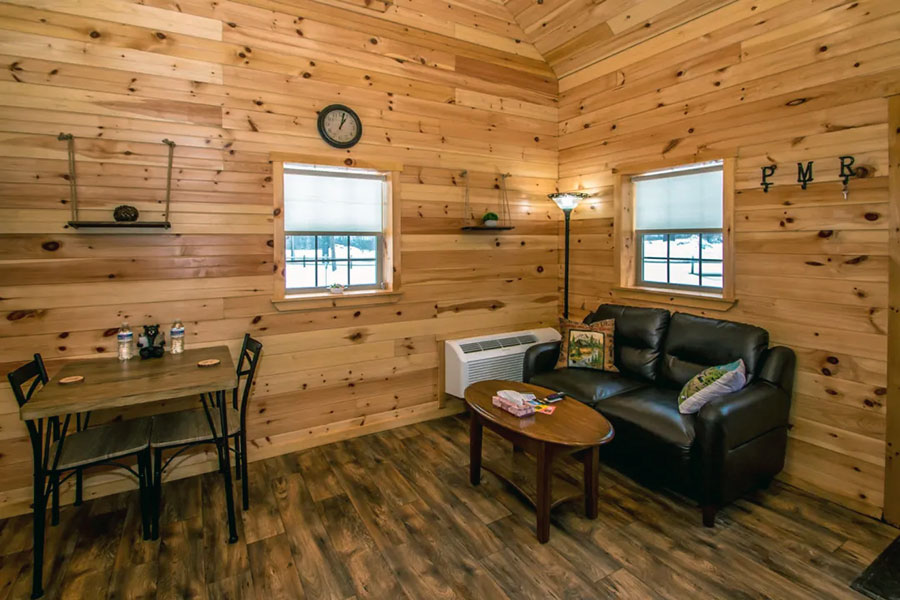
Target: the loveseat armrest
(540, 358)
(734, 419)
(778, 367)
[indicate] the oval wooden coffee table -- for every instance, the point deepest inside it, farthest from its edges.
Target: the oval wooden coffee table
(571, 428)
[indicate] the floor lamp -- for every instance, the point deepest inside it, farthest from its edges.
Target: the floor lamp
(567, 202)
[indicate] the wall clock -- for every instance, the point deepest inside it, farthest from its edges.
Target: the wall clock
(339, 126)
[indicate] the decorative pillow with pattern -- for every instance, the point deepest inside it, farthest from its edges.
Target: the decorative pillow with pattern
(587, 346)
(710, 384)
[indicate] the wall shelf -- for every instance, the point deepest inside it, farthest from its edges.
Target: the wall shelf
(486, 228)
(122, 224)
(76, 223)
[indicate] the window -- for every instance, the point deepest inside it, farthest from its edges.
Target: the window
(678, 227)
(334, 223)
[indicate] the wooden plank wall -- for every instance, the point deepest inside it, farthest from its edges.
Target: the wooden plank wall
(441, 86)
(767, 81)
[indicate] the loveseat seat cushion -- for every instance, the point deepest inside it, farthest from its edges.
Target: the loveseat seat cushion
(639, 337)
(587, 385)
(696, 343)
(651, 411)
(654, 442)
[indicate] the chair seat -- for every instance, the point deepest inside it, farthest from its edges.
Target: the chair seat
(190, 427)
(103, 443)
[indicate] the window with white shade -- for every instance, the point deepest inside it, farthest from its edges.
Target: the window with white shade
(678, 227)
(334, 226)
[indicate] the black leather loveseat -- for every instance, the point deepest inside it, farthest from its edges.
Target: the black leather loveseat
(734, 444)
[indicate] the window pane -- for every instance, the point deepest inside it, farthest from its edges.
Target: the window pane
(363, 246)
(684, 272)
(654, 245)
(654, 270)
(298, 247)
(684, 245)
(712, 273)
(323, 199)
(331, 272)
(680, 200)
(363, 272)
(332, 247)
(712, 246)
(298, 275)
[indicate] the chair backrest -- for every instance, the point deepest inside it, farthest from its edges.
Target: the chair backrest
(33, 372)
(246, 368)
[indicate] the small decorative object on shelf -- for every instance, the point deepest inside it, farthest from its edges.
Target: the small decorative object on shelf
(490, 219)
(152, 343)
(125, 214)
(336, 288)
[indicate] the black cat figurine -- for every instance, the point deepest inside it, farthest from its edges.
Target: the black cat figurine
(152, 343)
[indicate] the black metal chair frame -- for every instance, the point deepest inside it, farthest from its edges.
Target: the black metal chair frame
(250, 352)
(47, 480)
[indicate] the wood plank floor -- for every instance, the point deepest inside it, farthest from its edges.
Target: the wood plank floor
(392, 516)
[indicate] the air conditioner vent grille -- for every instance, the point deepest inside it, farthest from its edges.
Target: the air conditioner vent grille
(508, 342)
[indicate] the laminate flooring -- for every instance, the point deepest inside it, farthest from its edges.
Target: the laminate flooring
(392, 516)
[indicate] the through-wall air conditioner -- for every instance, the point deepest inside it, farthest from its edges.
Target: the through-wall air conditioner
(499, 356)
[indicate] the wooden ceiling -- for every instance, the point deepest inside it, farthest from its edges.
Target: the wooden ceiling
(573, 34)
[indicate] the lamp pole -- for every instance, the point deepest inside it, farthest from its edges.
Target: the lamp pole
(568, 213)
(567, 202)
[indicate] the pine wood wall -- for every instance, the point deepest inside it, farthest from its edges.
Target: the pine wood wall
(767, 81)
(441, 86)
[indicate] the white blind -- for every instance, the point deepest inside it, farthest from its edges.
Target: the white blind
(685, 198)
(322, 199)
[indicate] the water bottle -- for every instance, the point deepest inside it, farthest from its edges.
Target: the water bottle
(125, 339)
(176, 334)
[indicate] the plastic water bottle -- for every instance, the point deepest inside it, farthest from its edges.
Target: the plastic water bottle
(176, 334)
(125, 339)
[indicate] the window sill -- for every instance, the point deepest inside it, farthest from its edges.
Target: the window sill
(320, 300)
(699, 300)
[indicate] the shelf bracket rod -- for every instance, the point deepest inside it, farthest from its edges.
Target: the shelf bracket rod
(171, 146)
(73, 189)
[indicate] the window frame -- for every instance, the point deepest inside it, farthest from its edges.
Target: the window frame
(388, 258)
(639, 260)
(628, 247)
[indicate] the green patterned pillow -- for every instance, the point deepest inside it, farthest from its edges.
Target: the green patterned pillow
(710, 384)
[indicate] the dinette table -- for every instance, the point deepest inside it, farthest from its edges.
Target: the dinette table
(111, 383)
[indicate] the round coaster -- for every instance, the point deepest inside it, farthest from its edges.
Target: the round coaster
(71, 379)
(209, 362)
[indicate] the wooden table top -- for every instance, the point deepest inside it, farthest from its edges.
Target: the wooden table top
(571, 424)
(111, 383)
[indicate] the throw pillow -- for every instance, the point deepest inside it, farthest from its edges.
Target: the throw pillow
(587, 346)
(710, 384)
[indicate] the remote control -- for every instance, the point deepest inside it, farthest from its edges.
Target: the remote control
(554, 397)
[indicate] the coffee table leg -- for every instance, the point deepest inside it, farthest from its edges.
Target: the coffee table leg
(475, 435)
(544, 491)
(591, 481)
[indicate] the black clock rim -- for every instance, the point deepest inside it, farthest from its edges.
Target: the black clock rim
(321, 126)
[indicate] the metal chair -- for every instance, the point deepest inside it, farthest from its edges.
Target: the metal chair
(187, 428)
(55, 453)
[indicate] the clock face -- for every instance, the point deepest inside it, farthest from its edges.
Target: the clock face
(339, 126)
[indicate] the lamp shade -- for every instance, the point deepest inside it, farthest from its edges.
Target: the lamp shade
(568, 200)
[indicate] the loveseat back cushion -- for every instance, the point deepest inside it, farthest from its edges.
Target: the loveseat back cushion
(696, 343)
(639, 337)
